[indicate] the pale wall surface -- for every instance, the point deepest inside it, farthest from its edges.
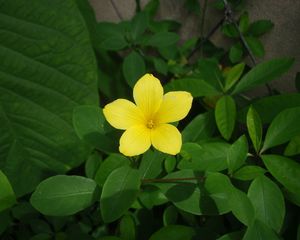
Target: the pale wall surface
(283, 40)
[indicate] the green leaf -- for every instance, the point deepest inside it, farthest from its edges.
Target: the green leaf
(265, 106)
(293, 148)
(232, 236)
(225, 114)
(139, 25)
(5, 221)
(233, 75)
(47, 68)
(170, 216)
(89, 125)
(260, 27)
(237, 154)
(244, 22)
(7, 195)
(197, 87)
(110, 36)
(162, 39)
(111, 163)
(247, 173)
(170, 164)
(241, 207)
(236, 53)
(119, 192)
(151, 196)
(263, 73)
(204, 157)
(133, 68)
(256, 47)
(127, 228)
(229, 30)
(151, 7)
(284, 170)
(63, 195)
(160, 66)
(201, 127)
(259, 230)
(174, 232)
(268, 202)
(283, 128)
(205, 195)
(92, 164)
(151, 164)
(254, 126)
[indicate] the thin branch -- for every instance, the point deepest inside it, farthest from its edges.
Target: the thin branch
(116, 9)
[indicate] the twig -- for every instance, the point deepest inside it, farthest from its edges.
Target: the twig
(116, 9)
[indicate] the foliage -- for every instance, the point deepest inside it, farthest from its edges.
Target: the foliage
(61, 173)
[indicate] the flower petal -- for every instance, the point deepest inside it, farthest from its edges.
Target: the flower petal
(148, 94)
(135, 140)
(175, 106)
(123, 114)
(166, 138)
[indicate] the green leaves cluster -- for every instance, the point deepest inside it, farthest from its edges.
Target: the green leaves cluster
(61, 174)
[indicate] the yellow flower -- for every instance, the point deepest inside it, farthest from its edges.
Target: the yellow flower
(146, 121)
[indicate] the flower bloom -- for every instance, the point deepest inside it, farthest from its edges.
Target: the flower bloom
(146, 121)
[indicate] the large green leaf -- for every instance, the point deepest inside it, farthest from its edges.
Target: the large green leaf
(196, 193)
(268, 202)
(260, 231)
(225, 114)
(197, 87)
(63, 195)
(7, 195)
(283, 128)
(119, 192)
(47, 68)
(263, 73)
(151, 164)
(285, 170)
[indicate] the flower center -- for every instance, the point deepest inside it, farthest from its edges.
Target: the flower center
(150, 124)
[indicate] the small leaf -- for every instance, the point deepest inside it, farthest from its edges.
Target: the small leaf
(260, 27)
(152, 196)
(88, 122)
(170, 216)
(236, 53)
(247, 173)
(160, 66)
(63, 195)
(151, 164)
(111, 163)
(127, 228)
(268, 202)
(197, 87)
(241, 207)
(284, 127)
(233, 75)
(201, 127)
(293, 148)
(119, 192)
(174, 232)
(92, 165)
(263, 73)
(151, 7)
(133, 68)
(244, 22)
(254, 126)
(237, 154)
(255, 45)
(162, 39)
(7, 195)
(139, 25)
(170, 164)
(225, 114)
(284, 170)
(229, 30)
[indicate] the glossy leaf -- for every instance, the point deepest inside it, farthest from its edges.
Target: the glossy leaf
(127, 228)
(284, 170)
(237, 154)
(284, 127)
(233, 75)
(263, 73)
(256, 47)
(133, 68)
(247, 173)
(151, 164)
(204, 157)
(7, 195)
(254, 126)
(225, 115)
(119, 192)
(258, 230)
(63, 195)
(170, 216)
(293, 148)
(92, 164)
(268, 202)
(46, 71)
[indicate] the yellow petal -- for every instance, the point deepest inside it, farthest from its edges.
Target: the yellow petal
(148, 94)
(135, 141)
(175, 106)
(166, 138)
(123, 114)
